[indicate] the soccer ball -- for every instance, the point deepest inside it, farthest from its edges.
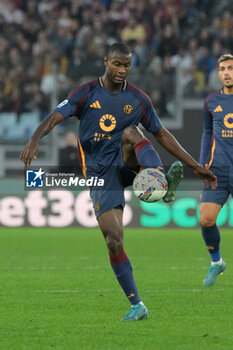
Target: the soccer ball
(150, 185)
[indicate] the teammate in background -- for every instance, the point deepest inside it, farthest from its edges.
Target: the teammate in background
(217, 155)
(67, 156)
(112, 147)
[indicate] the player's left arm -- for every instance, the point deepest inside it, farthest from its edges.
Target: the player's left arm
(153, 124)
(169, 142)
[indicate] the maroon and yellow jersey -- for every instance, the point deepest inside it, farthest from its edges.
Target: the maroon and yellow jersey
(103, 117)
(217, 139)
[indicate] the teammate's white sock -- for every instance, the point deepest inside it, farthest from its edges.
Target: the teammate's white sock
(140, 302)
(219, 262)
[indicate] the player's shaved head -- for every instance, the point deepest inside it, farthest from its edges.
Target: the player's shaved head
(225, 57)
(117, 62)
(121, 48)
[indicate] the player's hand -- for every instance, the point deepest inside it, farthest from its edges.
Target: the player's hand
(29, 152)
(207, 176)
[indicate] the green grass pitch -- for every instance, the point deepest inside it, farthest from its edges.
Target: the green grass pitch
(57, 291)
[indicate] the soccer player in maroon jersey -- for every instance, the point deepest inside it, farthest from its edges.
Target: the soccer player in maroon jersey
(112, 147)
(217, 155)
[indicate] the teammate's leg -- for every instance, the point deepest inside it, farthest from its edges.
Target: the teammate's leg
(111, 226)
(211, 235)
(138, 150)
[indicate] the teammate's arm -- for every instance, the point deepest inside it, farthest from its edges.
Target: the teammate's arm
(31, 149)
(169, 142)
(207, 138)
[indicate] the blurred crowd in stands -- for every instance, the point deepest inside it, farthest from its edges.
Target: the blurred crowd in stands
(52, 46)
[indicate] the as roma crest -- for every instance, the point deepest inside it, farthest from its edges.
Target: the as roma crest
(128, 109)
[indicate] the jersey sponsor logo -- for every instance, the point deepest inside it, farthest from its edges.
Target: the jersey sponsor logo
(227, 133)
(63, 103)
(100, 137)
(218, 109)
(228, 120)
(107, 122)
(35, 178)
(95, 104)
(128, 109)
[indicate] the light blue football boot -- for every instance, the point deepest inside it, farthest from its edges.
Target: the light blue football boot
(213, 273)
(137, 312)
(173, 176)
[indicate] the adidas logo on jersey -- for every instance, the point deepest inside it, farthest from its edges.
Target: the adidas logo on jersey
(95, 104)
(218, 109)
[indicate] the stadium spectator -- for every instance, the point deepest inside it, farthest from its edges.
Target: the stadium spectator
(205, 38)
(215, 27)
(76, 64)
(134, 31)
(205, 61)
(168, 80)
(227, 20)
(199, 82)
(68, 155)
(158, 100)
(213, 82)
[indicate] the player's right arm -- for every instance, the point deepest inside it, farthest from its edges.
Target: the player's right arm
(207, 138)
(64, 110)
(31, 149)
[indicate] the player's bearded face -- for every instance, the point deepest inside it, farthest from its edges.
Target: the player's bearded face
(225, 73)
(117, 67)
